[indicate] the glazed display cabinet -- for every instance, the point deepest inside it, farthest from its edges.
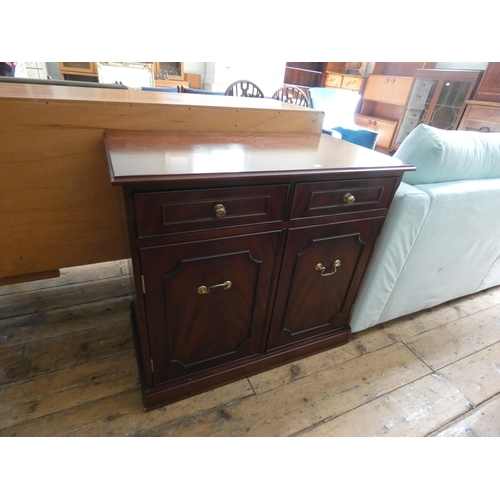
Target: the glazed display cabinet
(437, 99)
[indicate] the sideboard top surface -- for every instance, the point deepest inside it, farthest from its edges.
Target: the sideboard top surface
(137, 156)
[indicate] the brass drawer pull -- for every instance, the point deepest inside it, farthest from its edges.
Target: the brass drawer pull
(349, 198)
(203, 290)
(321, 268)
(484, 130)
(219, 211)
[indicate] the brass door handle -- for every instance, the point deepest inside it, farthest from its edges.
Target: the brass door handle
(321, 268)
(219, 210)
(203, 290)
(349, 198)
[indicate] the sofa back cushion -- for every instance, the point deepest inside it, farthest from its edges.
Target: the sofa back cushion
(449, 155)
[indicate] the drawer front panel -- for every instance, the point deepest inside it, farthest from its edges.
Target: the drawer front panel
(352, 82)
(482, 119)
(319, 199)
(334, 81)
(180, 211)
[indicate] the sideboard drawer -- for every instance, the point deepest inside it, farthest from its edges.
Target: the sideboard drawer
(319, 199)
(159, 213)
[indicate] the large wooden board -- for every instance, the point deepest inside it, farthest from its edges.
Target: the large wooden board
(58, 206)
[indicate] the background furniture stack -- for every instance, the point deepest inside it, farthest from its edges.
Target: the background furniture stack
(399, 96)
(384, 99)
(345, 75)
(437, 99)
(167, 74)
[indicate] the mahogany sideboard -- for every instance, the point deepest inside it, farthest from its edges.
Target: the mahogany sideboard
(247, 249)
(58, 207)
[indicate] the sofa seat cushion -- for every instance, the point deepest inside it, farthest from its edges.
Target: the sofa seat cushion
(449, 155)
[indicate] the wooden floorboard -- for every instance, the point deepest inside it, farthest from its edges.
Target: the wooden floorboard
(68, 368)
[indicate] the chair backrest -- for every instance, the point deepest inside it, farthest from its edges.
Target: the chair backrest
(189, 90)
(339, 105)
(292, 95)
(244, 88)
(161, 89)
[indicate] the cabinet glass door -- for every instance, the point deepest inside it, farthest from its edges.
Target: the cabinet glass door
(418, 105)
(436, 100)
(449, 103)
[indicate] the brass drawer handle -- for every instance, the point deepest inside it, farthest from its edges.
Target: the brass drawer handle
(349, 198)
(204, 290)
(484, 129)
(321, 268)
(219, 210)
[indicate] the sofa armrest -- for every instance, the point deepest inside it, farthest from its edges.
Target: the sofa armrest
(406, 216)
(449, 155)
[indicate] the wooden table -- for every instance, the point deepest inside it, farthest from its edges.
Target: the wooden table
(58, 207)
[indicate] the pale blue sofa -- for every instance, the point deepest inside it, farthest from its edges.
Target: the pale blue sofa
(441, 239)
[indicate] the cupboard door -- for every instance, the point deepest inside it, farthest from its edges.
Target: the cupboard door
(206, 301)
(389, 89)
(321, 272)
(385, 128)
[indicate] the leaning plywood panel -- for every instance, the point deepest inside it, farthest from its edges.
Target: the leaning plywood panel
(58, 207)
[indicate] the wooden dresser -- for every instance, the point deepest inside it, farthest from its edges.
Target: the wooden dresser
(247, 249)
